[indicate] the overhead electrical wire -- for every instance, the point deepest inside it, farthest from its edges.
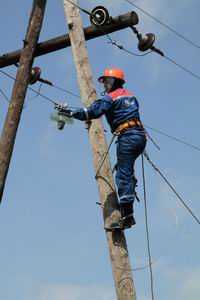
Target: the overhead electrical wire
(147, 229)
(181, 67)
(171, 187)
(145, 154)
(38, 93)
(173, 236)
(121, 47)
(173, 138)
(153, 261)
(66, 91)
(166, 57)
(33, 90)
(164, 24)
(111, 41)
(4, 95)
(49, 83)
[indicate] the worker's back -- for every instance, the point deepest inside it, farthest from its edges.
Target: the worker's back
(124, 108)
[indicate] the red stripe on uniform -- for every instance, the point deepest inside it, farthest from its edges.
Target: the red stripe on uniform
(119, 93)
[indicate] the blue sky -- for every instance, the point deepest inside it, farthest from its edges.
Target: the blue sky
(52, 240)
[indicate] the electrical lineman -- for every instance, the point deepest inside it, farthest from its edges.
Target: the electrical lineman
(121, 109)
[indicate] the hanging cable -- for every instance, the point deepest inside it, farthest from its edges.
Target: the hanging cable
(38, 93)
(171, 187)
(111, 41)
(66, 91)
(181, 67)
(158, 51)
(33, 90)
(155, 144)
(168, 245)
(166, 57)
(82, 9)
(178, 65)
(172, 137)
(147, 230)
(49, 83)
(153, 261)
(165, 249)
(121, 47)
(165, 25)
(104, 156)
(4, 95)
(163, 55)
(173, 237)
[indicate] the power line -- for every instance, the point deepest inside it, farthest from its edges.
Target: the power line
(111, 41)
(166, 57)
(54, 102)
(105, 155)
(147, 230)
(4, 95)
(49, 83)
(33, 90)
(82, 9)
(171, 241)
(171, 60)
(171, 187)
(165, 25)
(161, 53)
(66, 91)
(121, 47)
(172, 137)
(152, 140)
(182, 67)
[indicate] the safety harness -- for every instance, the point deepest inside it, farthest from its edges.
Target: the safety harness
(126, 125)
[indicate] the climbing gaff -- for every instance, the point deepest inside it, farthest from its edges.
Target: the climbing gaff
(99, 16)
(146, 41)
(62, 116)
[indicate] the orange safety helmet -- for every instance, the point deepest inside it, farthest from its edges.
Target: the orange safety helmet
(115, 73)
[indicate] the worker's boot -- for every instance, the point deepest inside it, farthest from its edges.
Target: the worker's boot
(127, 215)
(127, 219)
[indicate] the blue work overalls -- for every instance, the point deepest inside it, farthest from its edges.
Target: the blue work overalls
(119, 107)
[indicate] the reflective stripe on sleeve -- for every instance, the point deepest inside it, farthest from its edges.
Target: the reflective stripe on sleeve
(86, 113)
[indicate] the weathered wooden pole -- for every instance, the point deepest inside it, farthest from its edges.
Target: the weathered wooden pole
(116, 240)
(19, 91)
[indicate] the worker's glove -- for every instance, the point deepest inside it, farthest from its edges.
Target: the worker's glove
(63, 108)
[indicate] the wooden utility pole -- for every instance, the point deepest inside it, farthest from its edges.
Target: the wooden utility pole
(20, 88)
(116, 240)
